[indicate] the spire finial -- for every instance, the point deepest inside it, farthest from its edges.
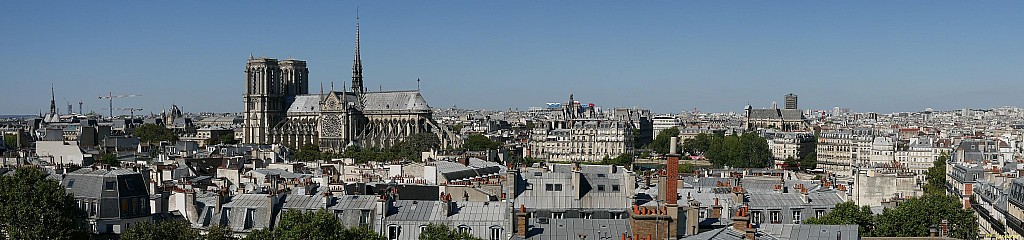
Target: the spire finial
(357, 63)
(250, 56)
(53, 103)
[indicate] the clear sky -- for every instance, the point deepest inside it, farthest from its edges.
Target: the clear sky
(668, 56)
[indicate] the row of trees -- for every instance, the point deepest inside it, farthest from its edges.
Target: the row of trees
(410, 149)
(294, 225)
(913, 217)
(742, 151)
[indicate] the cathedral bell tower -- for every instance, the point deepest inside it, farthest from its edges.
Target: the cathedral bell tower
(264, 99)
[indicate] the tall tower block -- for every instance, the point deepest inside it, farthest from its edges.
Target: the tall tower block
(791, 101)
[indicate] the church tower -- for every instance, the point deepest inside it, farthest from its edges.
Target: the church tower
(294, 77)
(264, 102)
(357, 65)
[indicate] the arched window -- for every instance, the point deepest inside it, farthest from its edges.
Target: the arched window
(464, 229)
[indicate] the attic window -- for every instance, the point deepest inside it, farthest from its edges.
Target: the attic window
(601, 175)
(109, 186)
(71, 183)
(537, 174)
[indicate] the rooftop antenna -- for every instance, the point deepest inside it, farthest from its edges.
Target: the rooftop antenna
(80, 107)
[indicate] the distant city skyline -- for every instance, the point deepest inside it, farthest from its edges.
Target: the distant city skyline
(665, 56)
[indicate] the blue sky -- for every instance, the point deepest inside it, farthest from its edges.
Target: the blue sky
(668, 56)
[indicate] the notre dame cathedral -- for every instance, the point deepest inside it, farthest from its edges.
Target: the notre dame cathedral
(280, 110)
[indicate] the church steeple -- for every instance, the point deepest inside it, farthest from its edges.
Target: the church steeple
(357, 64)
(53, 104)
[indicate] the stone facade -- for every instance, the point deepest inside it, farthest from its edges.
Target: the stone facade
(280, 110)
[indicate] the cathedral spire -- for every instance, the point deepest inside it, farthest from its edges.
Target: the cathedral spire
(53, 104)
(357, 63)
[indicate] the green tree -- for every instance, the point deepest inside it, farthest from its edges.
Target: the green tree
(154, 133)
(914, 217)
(218, 232)
(847, 213)
(478, 142)
(621, 160)
(11, 141)
(308, 153)
(110, 159)
(699, 144)
(436, 231)
(792, 163)
(747, 151)
(936, 176)
(686, 168)
(809, 161)
(663, 140)
(32, 206)
(296, 225)
(166, 230)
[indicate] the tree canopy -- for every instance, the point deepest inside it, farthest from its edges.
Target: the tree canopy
(409, 149)
(166, 230)
(747, 151)
(32, 206)
(479, 142)
(11, 141)
(436, 231)
(154, 133)
(663, 140)
(321, 224)
(936, 175)
(624, 159)
(847, 213)
(915, 216)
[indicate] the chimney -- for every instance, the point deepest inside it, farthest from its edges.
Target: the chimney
(692, 218)
(577, 183)
(750, 233)
(672, 173)
(220, 199)
(738, 195)
(328, 199)
(716, 210)
(741, 220)
(521, 222)
(447, 204)
(464, 160)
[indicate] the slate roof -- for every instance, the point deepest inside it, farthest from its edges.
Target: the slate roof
(538, 197)
(373, 102)
(89, 183)
(573, 228)
(784, 114)
(395, 100)
(785, 232)
(806, 231)
(477, 168)
(466, 213)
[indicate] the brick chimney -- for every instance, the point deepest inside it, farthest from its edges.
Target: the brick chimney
(672, 173)
(741, 220)
(750, 233)
(521, 222)
(716, 210)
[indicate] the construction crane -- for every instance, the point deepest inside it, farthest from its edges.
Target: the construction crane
(110, 97)
(129, 109)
